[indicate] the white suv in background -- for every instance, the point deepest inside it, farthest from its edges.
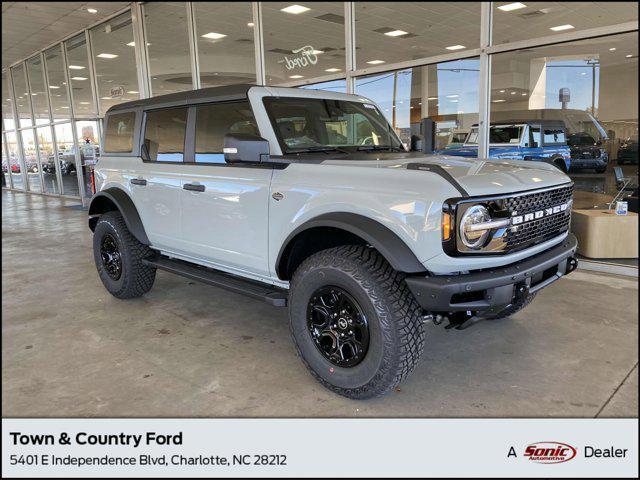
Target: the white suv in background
(308, 199)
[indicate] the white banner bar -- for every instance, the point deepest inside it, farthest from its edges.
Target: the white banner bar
(320, 447)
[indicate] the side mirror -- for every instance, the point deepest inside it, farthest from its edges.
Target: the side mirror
(243, 147)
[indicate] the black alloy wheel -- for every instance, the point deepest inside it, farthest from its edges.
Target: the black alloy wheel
(338, 326)
(111, 258)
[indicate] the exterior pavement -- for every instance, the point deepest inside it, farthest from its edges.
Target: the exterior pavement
(72, 350)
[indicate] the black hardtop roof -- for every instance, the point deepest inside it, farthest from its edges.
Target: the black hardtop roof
(210, 94)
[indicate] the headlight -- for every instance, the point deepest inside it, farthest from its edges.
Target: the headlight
(474, 237)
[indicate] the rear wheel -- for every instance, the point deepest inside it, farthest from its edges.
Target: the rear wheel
(354, 321)
(119, 258)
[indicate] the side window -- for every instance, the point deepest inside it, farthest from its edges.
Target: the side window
(535, 136)
(214, 121)
(554, 136)
(164, 134)
(118, 137)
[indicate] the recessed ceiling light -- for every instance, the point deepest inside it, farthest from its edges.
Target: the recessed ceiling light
(332, 70)
(375, 62)
(250, 24)
(501, 91)
(583, 73)
(92, 10)
(295, 9)
(85, 103)
(107, 55)
(512, 6)
(76, 67)
(499, 101)
(105, 98)
(560, 28)
(54, 86)
(432, 98)
(523, 94)
(512, 93)
(214, 35)
(612, 49)
(628, 56)
(453, 96)
(317, 52)
(131, 44)
(456, 47)
(78, 78)
(296, 76)
(396, 33)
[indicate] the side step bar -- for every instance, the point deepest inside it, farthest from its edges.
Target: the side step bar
(272, 295)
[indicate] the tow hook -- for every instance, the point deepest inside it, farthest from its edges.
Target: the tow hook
(458, 320)
(572, 264)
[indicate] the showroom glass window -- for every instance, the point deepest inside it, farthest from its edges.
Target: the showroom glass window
(23, 99)
(590, 88)
(15, 164)
(303, 41)
(79, 77)
(168, 47)
(446, 93)
(513, 21)
(164, 135)
(57, 83)
(67, 153)
(213, 122)
(39, 100)
(391, 32)
(118, 136)
(115, 61)
(7, 104)
(224, 33)
(339, 86)
(88, 138)
(30, 158)
(47, 156)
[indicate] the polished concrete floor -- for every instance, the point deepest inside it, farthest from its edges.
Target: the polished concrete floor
(186, 349)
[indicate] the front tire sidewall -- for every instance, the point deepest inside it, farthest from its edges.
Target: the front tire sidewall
(348, 378)
(107, 226)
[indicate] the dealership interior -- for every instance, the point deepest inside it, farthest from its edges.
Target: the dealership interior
(453, 78)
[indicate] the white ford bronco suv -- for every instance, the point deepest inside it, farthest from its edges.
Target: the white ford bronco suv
(308, 199)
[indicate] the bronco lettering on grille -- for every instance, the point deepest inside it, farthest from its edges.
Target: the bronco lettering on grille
(528, 217)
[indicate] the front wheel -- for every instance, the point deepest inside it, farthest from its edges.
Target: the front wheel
(354, 321)
(119, 258)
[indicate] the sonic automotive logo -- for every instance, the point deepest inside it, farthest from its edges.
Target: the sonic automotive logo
(550, 452)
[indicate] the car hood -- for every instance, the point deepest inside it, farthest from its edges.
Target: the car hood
(475, 177)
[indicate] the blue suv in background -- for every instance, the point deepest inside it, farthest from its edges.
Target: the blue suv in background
(539, 140)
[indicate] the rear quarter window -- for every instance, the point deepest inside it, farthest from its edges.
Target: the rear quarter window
(118, 137)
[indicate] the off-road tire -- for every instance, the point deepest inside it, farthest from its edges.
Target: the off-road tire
(601, 170)
(513, 308)
(136, 278)
(396, 330)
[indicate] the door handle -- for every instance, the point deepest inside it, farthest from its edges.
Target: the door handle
(193, 187)
(138, 181)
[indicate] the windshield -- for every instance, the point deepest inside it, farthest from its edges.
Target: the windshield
(577, 140)
(316, 124)
(499, 134)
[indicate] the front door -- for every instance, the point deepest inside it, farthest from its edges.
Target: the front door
(224, 207)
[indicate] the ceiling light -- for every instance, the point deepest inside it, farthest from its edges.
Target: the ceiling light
(296, 76)
(512, 6)
(214, 35)
(78, 78)
(612, 49)
(453, 100)
(523, 94)
(512, 93)
(583, 73)
(131, 44)
(85, 103)
(107, 55)
(628, 56)
(560, 28)
(132, 91)
(432, 98)
(54, 86)
(332, 70)
(250, 24)
(375, 62)
(498, 101)
(92, 10)
(501, 91)
(396, 33)
(76, 67)
(317, 52)
(456, 47)
(106, 98)
(295, 9)
(453, 96)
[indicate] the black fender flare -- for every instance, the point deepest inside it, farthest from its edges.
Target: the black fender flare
(385, 241)
(124, 204)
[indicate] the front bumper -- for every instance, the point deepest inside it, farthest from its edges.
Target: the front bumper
(493, 289)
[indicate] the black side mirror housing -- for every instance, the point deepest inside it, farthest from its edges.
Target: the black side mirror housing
(243, 147)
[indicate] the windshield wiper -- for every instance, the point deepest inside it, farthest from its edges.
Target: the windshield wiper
(318, 149)
(378, 148)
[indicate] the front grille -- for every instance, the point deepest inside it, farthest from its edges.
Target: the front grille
(540, 230)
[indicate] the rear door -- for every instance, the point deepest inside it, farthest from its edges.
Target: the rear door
(224, 207)
(156, 185)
